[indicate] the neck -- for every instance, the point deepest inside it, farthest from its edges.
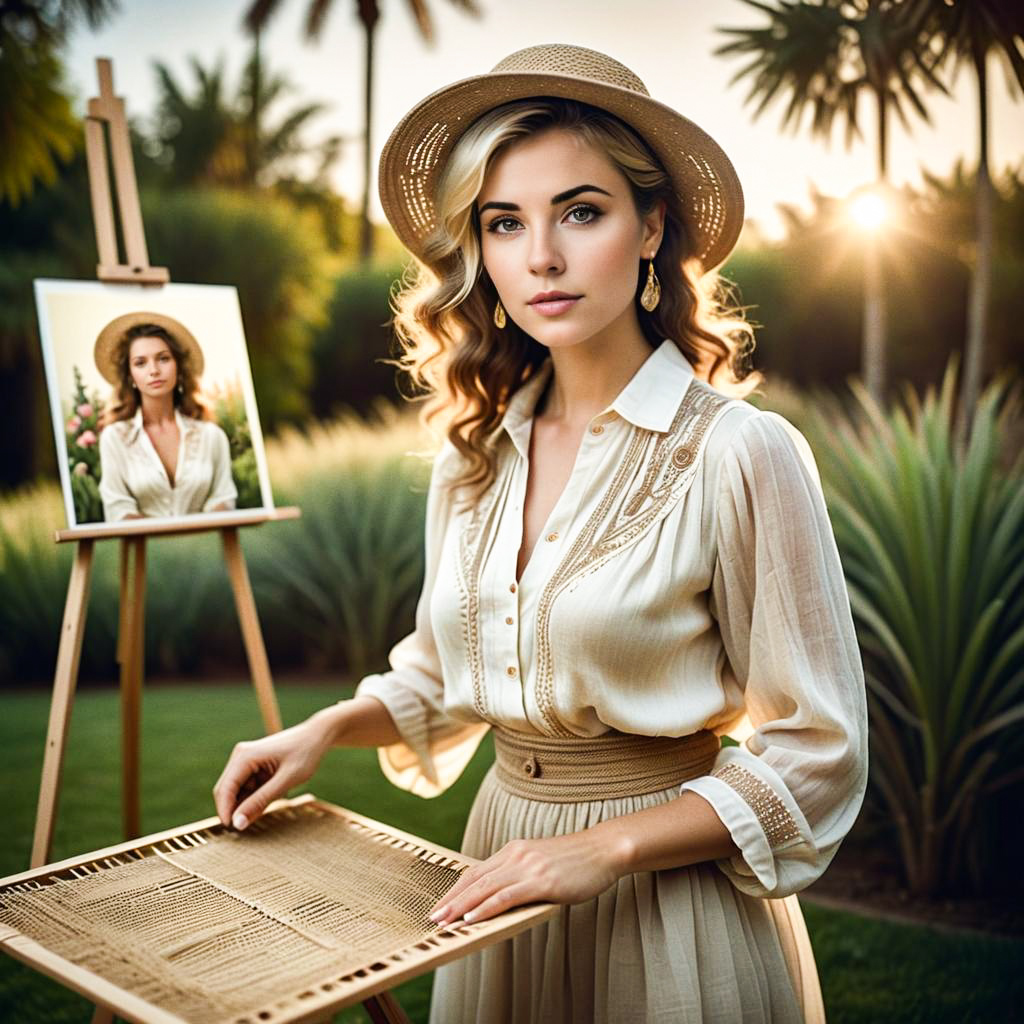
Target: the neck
(157, 411)
(589, 376)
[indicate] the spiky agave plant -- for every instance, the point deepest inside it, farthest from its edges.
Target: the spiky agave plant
(930, 527)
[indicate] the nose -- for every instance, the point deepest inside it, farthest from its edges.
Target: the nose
(545, 257)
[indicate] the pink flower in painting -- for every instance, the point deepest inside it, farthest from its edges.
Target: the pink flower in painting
(81, 469)
(87, 440)
(73, 424)
(84, 410)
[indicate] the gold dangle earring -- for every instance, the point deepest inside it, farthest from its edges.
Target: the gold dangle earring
(651, 295)
(499, 315)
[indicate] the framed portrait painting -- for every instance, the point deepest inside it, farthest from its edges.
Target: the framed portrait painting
(154, 412)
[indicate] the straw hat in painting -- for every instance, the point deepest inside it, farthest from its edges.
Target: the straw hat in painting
(106, 343)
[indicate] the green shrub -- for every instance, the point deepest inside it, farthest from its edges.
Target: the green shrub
(931, 532)
(345, 578)
(275, 257)
(348, 371)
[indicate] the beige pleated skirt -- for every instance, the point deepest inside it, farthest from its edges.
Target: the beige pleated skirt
(681, 946)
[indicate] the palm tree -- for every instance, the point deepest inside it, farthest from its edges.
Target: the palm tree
(210, 137)
(970, 31)
(37, 125)
(368, 11)
(826, 56)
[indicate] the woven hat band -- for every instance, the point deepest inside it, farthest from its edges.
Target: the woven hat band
(608, 767)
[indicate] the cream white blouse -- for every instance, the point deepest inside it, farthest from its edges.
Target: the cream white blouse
(687, 578)
(134, 481)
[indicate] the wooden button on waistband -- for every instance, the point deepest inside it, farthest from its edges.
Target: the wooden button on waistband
(530, 767)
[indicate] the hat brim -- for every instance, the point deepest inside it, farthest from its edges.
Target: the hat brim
(108, 339)
(418, 149)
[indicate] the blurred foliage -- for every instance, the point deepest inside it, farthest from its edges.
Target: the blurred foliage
(350, 349)
(805, 290)
(277, 260)
(83, 452)
(822, 57)
(243, 140)
(930, 527)
(37, 126)
(230, 415)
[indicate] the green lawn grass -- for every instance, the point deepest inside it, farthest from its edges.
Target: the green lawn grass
(871, 970)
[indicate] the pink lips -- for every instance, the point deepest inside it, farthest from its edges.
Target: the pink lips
(553, 303)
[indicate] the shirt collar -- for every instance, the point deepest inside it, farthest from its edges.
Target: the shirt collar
(184, 424)
(518, 418)
(650, 400)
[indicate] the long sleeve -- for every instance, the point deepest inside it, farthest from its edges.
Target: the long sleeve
(790, 792)
(435, 747)
(118, 501)
(223, 493)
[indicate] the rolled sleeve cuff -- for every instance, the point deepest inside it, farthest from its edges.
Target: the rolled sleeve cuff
(763, 821)
(427, 760)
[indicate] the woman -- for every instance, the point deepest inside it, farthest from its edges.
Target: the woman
(160, 455)
(623, 565)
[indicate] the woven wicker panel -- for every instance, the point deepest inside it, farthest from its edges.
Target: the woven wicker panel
(309, 907)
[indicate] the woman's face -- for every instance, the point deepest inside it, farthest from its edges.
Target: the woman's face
(152, 367)
(562, 239)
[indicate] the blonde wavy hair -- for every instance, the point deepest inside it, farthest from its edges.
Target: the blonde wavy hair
(464, 367)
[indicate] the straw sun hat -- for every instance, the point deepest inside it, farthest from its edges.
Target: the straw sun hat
(105, 351)
(418, 149)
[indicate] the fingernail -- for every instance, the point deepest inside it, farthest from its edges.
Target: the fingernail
(438, 914)
(239, 821)
(469, 915)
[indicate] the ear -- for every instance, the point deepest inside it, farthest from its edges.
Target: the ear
(653, 228)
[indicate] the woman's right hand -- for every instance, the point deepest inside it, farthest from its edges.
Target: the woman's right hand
(260, 771)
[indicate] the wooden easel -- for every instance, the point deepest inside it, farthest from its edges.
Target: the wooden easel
(109, 110)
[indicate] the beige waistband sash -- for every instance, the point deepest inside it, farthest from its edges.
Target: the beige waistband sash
(616, 764)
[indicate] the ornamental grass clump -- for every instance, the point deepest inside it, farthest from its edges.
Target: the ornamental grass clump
(930, 527)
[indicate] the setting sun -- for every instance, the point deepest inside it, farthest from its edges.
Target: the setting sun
(868, 211)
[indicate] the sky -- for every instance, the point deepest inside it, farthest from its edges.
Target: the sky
(668, 43)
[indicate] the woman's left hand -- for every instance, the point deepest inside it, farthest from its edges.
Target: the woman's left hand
(562, 869)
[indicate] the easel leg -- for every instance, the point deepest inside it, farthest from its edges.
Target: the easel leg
(384, 1008)
(101, 1015)
(64, 680)
(131, 651)
(259, 667)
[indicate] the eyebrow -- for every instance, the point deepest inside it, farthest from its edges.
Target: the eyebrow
(562, 197)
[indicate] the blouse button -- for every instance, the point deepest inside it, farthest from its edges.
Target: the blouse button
(512, 587)
(553, 536)
(512, 671)
(530, 767)
(509, 620)
(597, 429)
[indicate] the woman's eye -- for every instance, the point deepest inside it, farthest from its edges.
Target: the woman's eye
(583, 214)
(503, 225)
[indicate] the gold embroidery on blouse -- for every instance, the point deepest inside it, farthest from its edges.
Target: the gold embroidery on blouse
(778, 824)
(612, 526)
(470, 562)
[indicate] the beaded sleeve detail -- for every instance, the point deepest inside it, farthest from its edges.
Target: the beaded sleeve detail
(778, 824)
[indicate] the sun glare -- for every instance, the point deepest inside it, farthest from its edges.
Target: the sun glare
(868, 211)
